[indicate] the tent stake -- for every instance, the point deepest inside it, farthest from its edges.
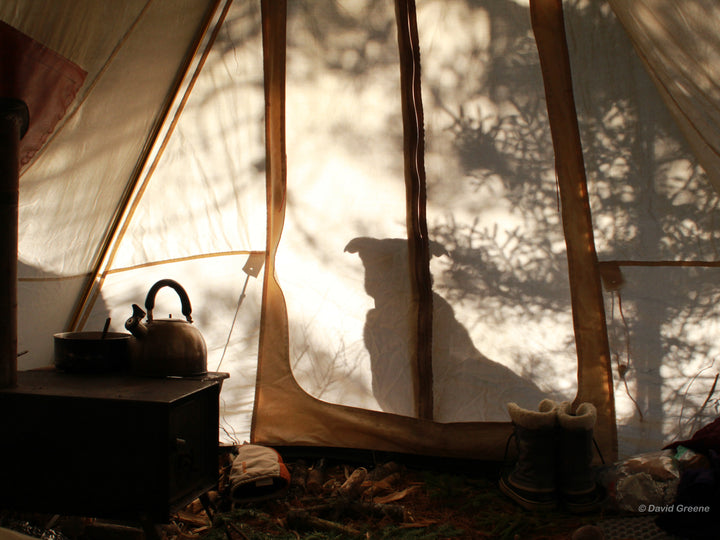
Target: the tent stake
(594, 368)
(13, 125)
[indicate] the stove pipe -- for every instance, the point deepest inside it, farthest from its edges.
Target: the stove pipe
(14, 120)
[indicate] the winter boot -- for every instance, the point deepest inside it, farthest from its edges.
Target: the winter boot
(578, 490)
(531, 482)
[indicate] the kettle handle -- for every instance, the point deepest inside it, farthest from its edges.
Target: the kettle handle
(184, 300)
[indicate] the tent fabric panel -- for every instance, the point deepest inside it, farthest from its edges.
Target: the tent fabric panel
(44, 80)
(93, 153)
(86, 33)
(655, 210)
(343, 258)
(201, 216)
(345, 191)
(44, 305)
(663, 324)
(683, 228)
(273, 342)
(651, 198)
(679, 44)
(90, 171)
(350, 335)
(285, 413)
(206, 193)
(503, 324)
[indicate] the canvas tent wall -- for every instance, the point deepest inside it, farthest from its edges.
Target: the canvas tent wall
(201, 217)
(332, 370)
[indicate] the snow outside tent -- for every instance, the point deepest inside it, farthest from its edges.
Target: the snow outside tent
(271, 159)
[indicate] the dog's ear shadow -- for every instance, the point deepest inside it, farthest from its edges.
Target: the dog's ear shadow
(356, 244)
(438, 250)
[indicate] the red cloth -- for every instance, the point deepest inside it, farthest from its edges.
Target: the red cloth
(705, 439)
(46, 81)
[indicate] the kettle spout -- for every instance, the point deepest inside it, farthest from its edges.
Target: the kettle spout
(135, 325)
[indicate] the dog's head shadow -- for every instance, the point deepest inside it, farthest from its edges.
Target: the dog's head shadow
(387, 267)
(467, 385)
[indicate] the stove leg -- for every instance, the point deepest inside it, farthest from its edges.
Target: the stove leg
(150, 528)
(207, 505)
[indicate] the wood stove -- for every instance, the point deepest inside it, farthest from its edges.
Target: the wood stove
(113, 446)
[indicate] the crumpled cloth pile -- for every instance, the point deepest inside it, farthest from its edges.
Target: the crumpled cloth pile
(257, 473)
(696, 508)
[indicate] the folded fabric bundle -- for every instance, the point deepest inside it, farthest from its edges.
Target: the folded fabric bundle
(257, 473)
(703, 440)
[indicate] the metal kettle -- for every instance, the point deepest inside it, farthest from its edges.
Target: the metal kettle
(166, 347)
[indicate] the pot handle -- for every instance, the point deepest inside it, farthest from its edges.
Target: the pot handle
(184, 300)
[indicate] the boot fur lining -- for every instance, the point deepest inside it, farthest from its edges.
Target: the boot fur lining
(584, 417)
(544, 417)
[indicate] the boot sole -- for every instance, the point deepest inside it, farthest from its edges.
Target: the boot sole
(584, 503)
(522, 497)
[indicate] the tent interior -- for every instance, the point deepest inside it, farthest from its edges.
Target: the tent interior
(259, 157)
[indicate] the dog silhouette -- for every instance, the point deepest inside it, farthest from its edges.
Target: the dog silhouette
(467, 386)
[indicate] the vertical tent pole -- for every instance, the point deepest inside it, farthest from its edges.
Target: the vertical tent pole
(416, 195)
(14, 121)
(594, 369)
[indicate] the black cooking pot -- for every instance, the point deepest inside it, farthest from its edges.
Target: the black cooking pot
(92, 351)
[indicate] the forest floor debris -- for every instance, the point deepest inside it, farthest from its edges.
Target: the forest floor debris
(327, 500)
(333, 499)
